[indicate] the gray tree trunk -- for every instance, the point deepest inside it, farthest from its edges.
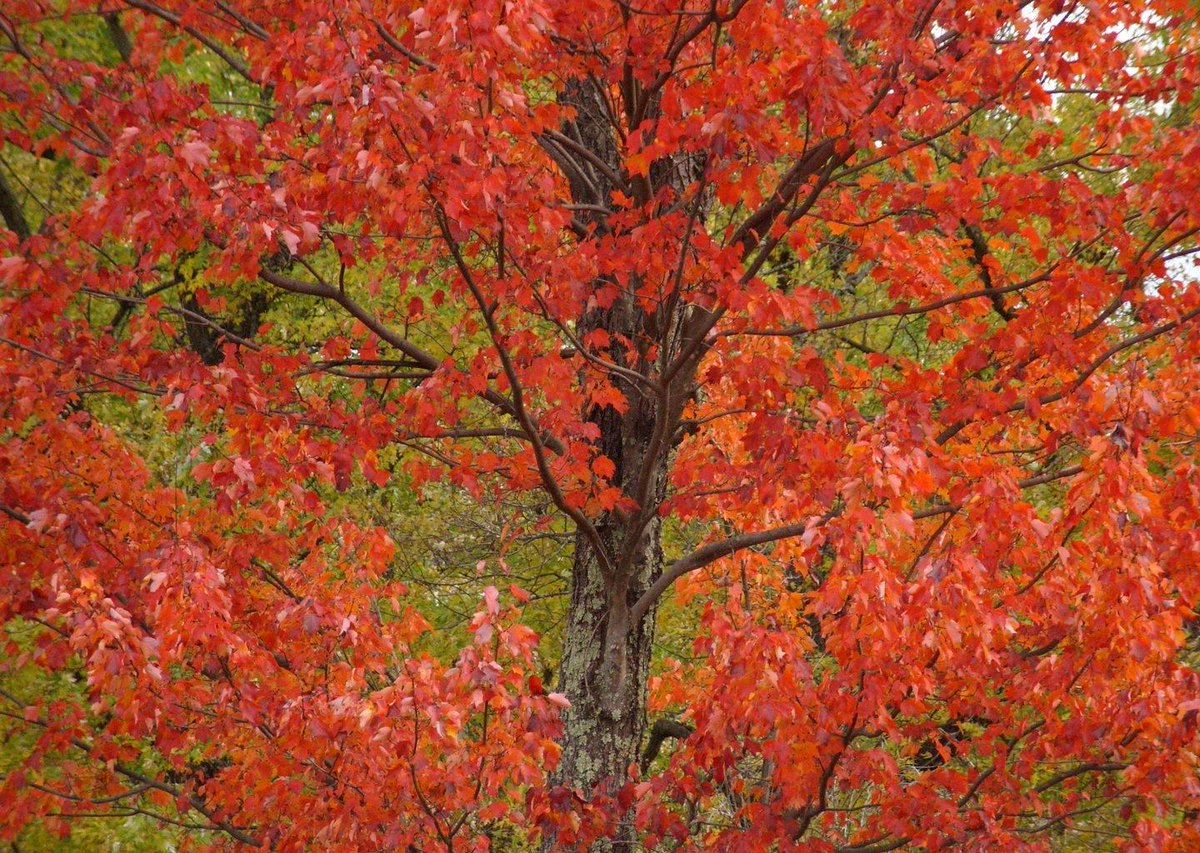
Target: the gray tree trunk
(607, 651)
(605, 683)
(606, 656)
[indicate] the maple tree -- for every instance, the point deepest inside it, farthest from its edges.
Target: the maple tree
(862, 335)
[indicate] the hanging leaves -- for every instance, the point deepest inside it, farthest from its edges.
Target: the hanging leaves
(859, 340)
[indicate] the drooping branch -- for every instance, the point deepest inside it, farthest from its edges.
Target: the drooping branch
(248, 26)
(325, 290)
(1115, 349)
(127, 384)
(15, 514)
(186, 313)
(1089, 767)
(420, 358)
(895, 311)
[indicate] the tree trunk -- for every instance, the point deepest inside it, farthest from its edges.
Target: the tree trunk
(607, 649)
(606, 656)
(605, 666)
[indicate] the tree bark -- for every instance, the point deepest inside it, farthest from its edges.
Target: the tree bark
(606, 656)
(605, 667)
(10, 210)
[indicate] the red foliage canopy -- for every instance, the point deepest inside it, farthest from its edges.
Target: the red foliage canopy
(887, 306)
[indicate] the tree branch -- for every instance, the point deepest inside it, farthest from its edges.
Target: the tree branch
(208, 41)
(714, 551)
(10, 209)
(519, 411)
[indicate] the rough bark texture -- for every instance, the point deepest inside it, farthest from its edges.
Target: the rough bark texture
(607, 718)
(607, 651)
(606, 658)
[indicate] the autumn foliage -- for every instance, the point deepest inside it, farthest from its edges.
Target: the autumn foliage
(852, 346)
